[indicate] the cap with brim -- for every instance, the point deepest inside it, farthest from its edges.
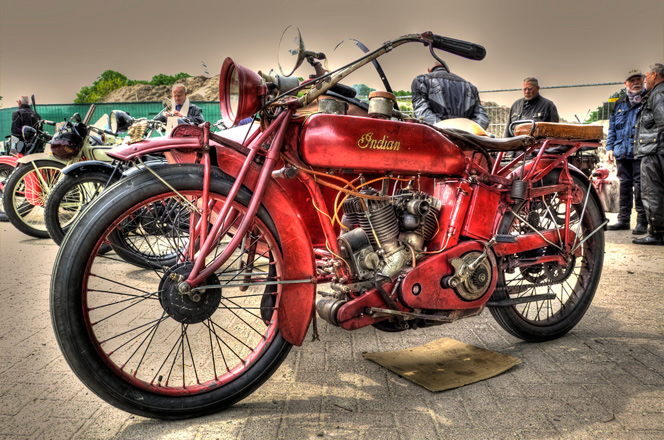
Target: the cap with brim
(633, 73)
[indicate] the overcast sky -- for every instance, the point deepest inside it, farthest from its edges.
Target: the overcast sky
(53, 48)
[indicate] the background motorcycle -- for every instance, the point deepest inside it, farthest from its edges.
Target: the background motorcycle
(35, 141)
(394, 223)
(81, 182)
(27, 188)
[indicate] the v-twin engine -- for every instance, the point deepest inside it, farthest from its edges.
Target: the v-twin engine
(386, 233)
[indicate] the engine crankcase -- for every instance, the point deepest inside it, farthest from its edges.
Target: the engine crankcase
(425, 286)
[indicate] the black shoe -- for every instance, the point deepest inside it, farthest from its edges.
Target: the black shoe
(640, 230)
(618, 227)
(656, 240)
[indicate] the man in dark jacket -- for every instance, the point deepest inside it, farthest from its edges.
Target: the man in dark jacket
(620, 146)
(181, 108)
(649, 146)
(440, 95)
(24, 115)
(532, 106)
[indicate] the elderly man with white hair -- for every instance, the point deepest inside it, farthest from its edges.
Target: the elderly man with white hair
(181, 108)
(24, 115)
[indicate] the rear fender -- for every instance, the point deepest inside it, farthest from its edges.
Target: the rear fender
(151, 146)
(574, 171)
(9, 160)
(79, 168)
(296, 304)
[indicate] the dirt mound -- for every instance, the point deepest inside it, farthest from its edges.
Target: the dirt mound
(199, 88)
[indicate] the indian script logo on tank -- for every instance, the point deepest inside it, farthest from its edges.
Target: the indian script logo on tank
(385, 143)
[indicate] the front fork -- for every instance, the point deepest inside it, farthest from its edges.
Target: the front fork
(208, 238)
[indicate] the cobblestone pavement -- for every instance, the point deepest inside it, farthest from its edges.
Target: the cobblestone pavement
(604, 380)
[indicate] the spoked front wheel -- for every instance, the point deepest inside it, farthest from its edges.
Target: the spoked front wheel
(5, 171)
(25, 193)
(68, 198)
(134, 338)
(570, 283)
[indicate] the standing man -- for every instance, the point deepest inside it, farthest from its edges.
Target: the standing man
(181, 108)
(24, 115)
(649, 147)
(620, 146)
(532, 106)
(440, 94)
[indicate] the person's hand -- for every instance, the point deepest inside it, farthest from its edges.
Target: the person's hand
(609, 156)
(177, 113)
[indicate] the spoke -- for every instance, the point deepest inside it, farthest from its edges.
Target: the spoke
(119, 311)
(121, 284)
(193, 361)
(151, 296)
(129, 331)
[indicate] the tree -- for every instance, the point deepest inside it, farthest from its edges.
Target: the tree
(111, 80)
(107, 82)
(167, 80)
(363, 89)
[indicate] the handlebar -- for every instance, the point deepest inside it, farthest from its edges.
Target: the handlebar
(458, 47)
(51, 123)
(462, 48)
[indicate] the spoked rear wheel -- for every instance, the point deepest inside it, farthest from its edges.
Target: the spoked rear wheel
(140, 344)
(573, 282)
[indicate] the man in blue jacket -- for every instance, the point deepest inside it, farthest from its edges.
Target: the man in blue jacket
(620, 146)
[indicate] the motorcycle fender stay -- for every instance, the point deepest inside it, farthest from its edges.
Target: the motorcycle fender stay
(296, 303)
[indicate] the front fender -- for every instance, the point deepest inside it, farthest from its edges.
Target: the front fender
(39, 156)
(296, 306)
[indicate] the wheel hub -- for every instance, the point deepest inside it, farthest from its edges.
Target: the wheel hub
(187, 309)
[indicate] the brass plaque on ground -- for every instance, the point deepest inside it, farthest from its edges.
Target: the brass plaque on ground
(444, 364)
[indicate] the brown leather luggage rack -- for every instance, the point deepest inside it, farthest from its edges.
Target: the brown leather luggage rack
(561, 131)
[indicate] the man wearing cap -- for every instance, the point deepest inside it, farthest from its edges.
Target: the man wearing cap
(532, 106)
(649, 147)
(620, 146)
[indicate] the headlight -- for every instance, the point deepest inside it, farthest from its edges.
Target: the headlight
(120, 121)
(240, 92)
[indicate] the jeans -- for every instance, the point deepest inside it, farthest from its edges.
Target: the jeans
(629, 175)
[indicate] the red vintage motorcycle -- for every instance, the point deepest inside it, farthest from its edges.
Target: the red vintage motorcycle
(394, 223)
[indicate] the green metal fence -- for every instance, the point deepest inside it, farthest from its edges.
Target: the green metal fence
(61, 112)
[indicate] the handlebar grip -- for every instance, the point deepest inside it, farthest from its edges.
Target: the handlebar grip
(51, 123)
(462, 48)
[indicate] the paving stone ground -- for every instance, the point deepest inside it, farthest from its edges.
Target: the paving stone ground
(604, 380)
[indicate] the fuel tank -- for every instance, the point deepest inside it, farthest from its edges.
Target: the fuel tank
(363, 144)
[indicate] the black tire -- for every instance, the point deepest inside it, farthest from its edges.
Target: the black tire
(146, 239)
(122, 330)
(25, 194)
(573, 284)
(68, 198)
(5, 172)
